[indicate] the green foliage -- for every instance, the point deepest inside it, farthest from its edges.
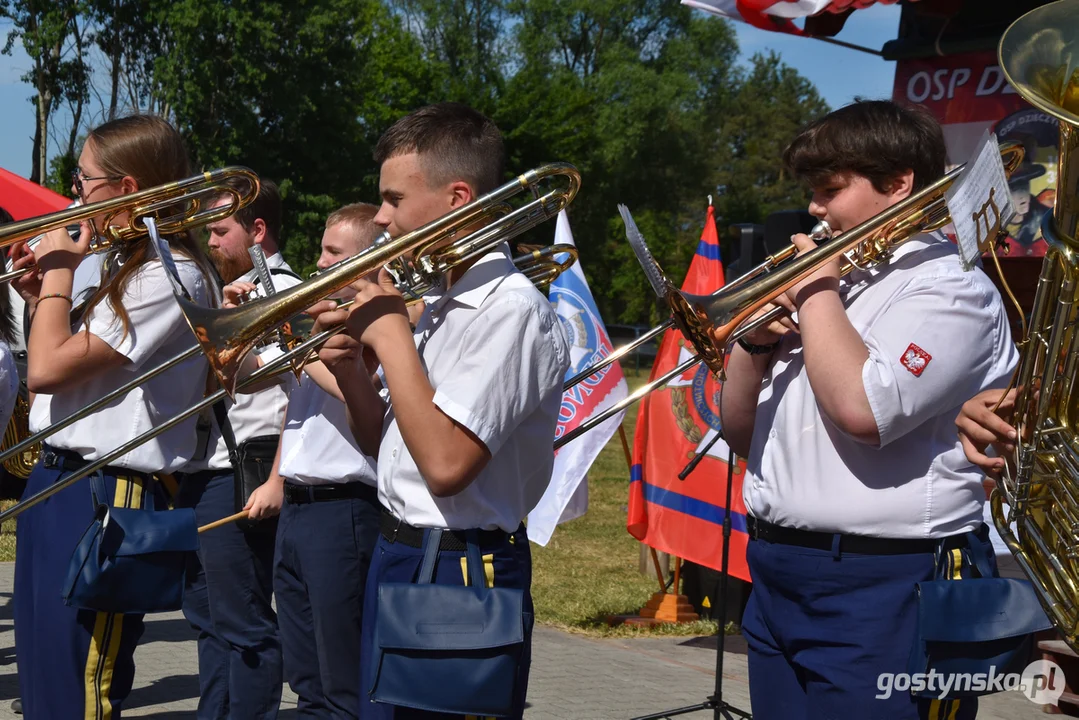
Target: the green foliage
(298, 91)
(59, 178)
(647, 98)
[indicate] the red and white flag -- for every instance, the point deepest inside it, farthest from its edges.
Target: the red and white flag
(779, 15)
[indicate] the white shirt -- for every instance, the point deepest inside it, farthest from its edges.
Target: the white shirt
(495, 354)
(252, 414)
(158, 333)
(803, 472)
(86, 281)
(317, 446)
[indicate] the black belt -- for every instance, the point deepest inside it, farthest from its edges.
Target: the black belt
(398, 531)
(854, 544)
(296, 494)
(63, 460)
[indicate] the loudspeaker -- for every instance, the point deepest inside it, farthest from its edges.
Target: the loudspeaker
(752, 242)
(746, 249)
(780, 225)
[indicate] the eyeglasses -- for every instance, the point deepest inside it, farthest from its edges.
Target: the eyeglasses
(77, 179)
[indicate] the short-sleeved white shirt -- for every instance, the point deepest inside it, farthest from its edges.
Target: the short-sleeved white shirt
(495, 354)
(317, 446)
(251, 414)
(158, 333)
(936, 336)
(84, 285)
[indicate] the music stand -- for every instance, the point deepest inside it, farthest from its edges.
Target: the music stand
(720, 708)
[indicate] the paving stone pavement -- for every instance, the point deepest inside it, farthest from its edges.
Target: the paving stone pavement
(573, 677)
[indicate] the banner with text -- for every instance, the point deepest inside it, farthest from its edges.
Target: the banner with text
(969, 94)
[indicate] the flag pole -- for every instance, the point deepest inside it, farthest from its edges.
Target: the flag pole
(629, 466)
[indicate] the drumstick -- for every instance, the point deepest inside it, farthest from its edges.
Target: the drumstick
(223, 521)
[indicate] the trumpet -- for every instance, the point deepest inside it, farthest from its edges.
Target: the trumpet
(711, 322)
(177, 207)
(222, 349)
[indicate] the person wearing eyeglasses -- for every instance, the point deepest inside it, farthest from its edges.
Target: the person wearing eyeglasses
(77, 662)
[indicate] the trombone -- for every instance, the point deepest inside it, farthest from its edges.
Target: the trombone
(227, 336)
(222, 349)
(541, 266)
(711, 322)
(176, 206)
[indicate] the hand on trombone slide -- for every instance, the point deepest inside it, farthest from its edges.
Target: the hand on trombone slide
(56, 249)
(236, 293)
(826, 277)
(377, 311)
(776, 319)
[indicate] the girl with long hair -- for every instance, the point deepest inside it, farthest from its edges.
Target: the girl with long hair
(73, 662)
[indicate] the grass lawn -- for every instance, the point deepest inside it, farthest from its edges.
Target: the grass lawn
(589, 569)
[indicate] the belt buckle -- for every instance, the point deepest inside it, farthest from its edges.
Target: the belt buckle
(396, 527)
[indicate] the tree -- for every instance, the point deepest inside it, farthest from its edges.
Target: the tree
(299, 91)
(464, 45)
(631, 93)
(51, 34)
(771, 104)
(130, 35)
(645, 97)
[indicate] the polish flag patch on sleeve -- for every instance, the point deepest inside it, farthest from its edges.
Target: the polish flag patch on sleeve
(915, 359)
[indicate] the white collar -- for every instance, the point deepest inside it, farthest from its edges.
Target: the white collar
(272, 261)
(478, 282)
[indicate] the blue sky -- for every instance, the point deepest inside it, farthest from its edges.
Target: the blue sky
(839, 74)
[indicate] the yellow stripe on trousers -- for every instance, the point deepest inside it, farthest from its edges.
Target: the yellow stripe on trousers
(949, 709)
(489, 575)
(105, 643)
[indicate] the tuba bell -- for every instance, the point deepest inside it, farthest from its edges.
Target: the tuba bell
(1039, 54)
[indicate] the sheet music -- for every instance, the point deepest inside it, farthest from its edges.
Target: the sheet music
(980, 201)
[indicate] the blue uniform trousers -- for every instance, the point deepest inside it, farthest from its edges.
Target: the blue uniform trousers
(823, 626)
(227, 600)
(323, 554)
(507, 563)
(72, 663)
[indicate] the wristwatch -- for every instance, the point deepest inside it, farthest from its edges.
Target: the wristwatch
(757, 349)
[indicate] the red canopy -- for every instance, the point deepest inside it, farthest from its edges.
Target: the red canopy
(24, 199)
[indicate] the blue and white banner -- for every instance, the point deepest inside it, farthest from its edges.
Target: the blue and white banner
(567, 495)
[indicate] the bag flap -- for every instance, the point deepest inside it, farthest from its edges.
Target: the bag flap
(261, 447)
(447, 617)
(978, 610)
(139, 532)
